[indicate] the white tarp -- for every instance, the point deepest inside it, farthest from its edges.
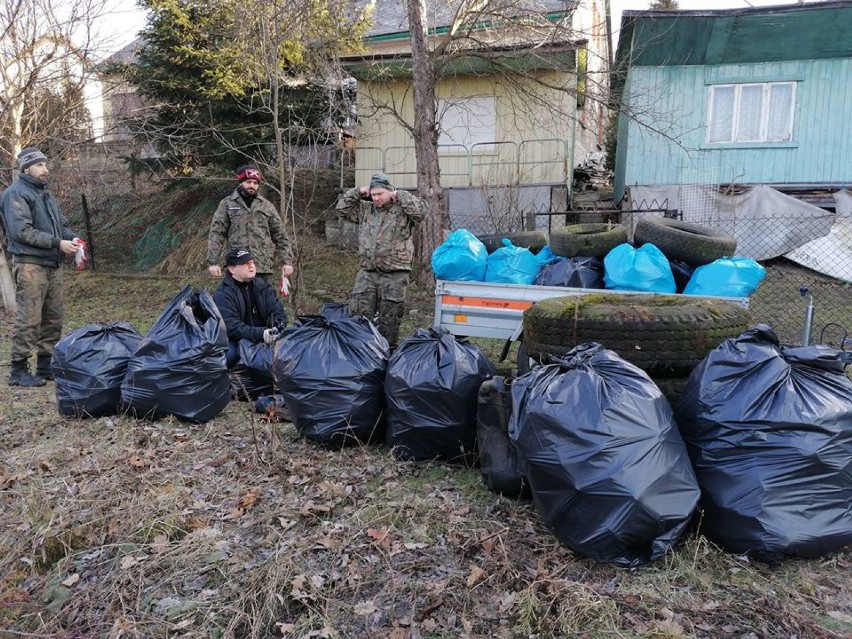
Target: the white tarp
(832, 254)
(765, 222)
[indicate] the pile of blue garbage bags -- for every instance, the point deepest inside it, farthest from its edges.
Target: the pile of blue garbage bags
(462, 257)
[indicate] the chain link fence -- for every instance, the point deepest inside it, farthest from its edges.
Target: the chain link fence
(804, 256)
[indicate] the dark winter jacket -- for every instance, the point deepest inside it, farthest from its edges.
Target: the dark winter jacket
(244, 320)
(33, 223)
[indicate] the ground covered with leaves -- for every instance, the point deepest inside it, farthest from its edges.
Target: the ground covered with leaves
(117, 527)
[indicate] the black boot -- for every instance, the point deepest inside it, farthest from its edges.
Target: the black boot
(19, 375)
(43, 369)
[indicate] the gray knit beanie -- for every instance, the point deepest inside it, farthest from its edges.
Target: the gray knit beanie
(380, 181)
(29, 156)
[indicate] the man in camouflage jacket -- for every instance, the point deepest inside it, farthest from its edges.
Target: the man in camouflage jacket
(386, 219)
(247, 220)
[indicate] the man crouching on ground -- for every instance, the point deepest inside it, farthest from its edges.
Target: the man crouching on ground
(248, 304)
(386, 220)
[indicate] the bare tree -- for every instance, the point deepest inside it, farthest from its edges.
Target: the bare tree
(46, 62)
(520, 46)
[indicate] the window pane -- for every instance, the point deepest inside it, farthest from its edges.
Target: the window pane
(721, 114)
(467, 121)
(749, 115)
(780, 128)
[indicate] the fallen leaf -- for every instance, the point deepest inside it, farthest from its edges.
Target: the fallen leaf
(378, 535)
(365, 608)
(476, 574)
(161, 543)
(70, 581)
(248, 500)
(285, 628)
(138, 462)
(194, 523)
(44, 466)
(127, 562)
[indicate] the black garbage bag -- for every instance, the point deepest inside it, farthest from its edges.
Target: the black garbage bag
(501, 469)
(431, 388)
(331, 373)
(681, 272)
(179, 368)
(608, 470)
(252, 375)
(769, 430)
(575, 272)
(89, 365)
(334, 310)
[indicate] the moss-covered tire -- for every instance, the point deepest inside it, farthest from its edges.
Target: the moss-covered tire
(533, 240)
(587, 240)
(678, 240)
(659, 333)
(671, 387)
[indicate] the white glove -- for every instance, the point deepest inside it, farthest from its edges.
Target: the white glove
(270, 335)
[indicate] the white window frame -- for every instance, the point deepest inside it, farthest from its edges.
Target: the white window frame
(763, 136)
(470, 122)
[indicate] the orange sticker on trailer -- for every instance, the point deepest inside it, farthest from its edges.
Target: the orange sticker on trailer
(460, 319)
(484, 302)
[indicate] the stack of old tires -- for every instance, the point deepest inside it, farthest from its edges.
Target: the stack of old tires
(665, 335)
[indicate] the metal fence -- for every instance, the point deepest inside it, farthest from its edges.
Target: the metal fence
(805, 257)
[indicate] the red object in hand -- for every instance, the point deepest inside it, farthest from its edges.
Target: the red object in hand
(285, 286)
(80, 257)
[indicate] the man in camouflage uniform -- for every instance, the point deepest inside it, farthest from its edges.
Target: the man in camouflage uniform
(38, 238)
(386, 219)
(247, 220)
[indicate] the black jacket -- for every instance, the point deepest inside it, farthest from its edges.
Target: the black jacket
(33, 223)
(246, 320)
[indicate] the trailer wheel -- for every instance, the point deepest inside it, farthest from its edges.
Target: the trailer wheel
(658, 333)
(587, 240)
(678, 240)
(533, 240)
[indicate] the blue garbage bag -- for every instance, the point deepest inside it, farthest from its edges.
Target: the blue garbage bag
(644, 269)
(726, 277)
(460, 258)
(512, 265)
(545, 256)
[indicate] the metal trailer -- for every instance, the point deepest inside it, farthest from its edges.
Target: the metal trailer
(486, 309)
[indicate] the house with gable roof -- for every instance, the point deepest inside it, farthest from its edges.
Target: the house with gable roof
(522, 97)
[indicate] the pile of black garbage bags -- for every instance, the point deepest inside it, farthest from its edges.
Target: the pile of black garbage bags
(177, 369)
(760, 445)
(757, 452)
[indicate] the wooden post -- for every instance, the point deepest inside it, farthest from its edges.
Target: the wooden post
(7, 286)
(89, 237)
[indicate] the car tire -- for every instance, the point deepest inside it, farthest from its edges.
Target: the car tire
(586, 240)
(660, 334)
(533, 240)
(691, 243)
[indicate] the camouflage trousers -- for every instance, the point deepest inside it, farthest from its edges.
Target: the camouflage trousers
(383, 294)
(38, 324)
